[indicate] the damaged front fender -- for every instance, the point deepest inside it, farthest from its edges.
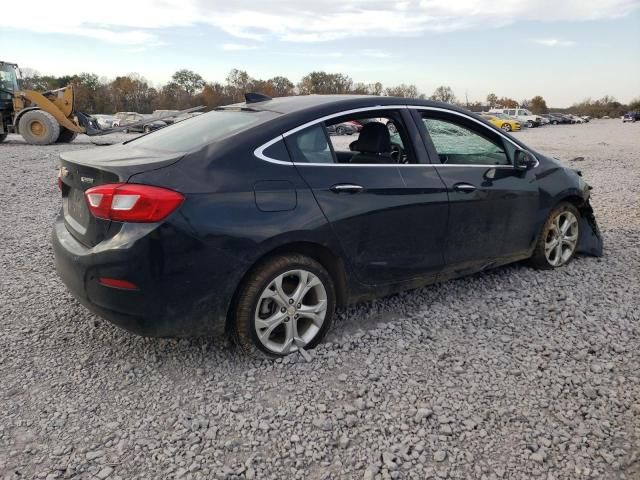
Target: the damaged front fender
(590, 242)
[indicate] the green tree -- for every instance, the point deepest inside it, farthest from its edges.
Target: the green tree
(403, 90)
(325, 83)
(492, 100)
(282, 86)
(191, 82)
(506, 102)
(444, 94)
(238, 83)
(538, 105)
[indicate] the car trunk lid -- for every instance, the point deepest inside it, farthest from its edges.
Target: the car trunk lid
(84, 169)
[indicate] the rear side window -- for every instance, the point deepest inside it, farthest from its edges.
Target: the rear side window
(202, 130)
(310, 145)
(277, 151)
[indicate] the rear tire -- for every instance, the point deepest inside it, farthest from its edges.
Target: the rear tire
(530, 124)
(38, 127)
(66, 135)
(287, 302)
(506, 127)
(559, 238)
(340, 130)
(3, 137)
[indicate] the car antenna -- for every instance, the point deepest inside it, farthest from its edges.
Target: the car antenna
(255, 97)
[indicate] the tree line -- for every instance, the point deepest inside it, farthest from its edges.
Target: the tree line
(188, 89)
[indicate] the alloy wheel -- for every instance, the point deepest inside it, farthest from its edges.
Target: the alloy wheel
(561, 238)
(290, 311)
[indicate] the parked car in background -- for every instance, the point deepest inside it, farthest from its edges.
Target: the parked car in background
(631, 117)
(344, 128)
(506, 124)
(104, 121)
(245, 220)
(524, 116)
(586, 118)
(133, 118)
(556, 119)
(563, 118)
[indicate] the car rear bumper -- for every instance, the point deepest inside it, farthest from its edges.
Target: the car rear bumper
(166, 302)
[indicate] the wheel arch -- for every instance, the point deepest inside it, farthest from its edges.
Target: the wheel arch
(333, 263)
(574, 199)
(16, 120)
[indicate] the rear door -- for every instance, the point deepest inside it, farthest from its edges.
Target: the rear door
(492, 205)
(386, 229)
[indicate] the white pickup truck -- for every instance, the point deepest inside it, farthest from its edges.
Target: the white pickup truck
(524, 116)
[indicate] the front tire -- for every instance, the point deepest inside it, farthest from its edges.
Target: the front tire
(530, 124)
(506, 127)
(287, 303)
(558, 240)
(38, 127)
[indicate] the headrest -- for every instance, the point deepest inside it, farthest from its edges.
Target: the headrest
(374, 138)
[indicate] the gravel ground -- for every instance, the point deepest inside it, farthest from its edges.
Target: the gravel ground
(512, 374)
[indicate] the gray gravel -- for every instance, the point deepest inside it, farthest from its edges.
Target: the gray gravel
(512, 374)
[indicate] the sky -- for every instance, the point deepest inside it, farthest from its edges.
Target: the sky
(564, 50)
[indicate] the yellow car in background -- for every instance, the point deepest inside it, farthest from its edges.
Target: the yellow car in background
(503, 122)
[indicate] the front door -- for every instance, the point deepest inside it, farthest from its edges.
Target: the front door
(491, 203)
(358, 185)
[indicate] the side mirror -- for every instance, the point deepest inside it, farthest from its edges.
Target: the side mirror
(525, 160)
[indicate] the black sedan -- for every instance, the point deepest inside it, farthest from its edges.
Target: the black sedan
(253, 220)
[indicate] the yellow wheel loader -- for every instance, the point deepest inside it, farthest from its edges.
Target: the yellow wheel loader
(47, 117)
(41, 118)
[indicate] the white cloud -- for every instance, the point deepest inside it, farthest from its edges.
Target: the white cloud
(233, 47)
(138, 22)
(554, 42)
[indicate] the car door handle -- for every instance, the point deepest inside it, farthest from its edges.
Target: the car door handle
(347, 188)
(464, 187)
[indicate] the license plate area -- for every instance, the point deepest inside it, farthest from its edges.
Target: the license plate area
(76, 211)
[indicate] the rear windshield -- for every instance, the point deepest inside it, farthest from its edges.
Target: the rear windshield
(202, 130)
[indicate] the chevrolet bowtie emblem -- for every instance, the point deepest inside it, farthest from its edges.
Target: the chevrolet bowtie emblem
(64, 172)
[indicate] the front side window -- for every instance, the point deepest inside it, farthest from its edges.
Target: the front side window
(457, 144)
(511, 112)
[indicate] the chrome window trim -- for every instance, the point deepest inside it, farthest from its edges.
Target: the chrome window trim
(259, 152)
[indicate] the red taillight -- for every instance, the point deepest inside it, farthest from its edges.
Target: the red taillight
(130, 202)
(117, 283)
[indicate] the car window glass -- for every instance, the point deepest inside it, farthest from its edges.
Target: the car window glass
(202, 130)
(277, 151)
(310, 145)
(511, 112)
(371, 137)
(459, 145)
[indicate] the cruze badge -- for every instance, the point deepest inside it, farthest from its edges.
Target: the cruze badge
(86, 179)
(64, 172)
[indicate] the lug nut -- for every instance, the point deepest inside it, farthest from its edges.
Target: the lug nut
(291, 300)
(283, 309)
(299, 305)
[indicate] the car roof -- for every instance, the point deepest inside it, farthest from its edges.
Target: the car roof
(299, 103)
